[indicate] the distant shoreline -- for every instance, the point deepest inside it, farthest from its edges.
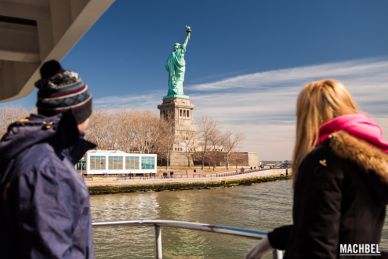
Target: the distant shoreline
(185, 184)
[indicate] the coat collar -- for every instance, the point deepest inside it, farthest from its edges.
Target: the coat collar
(364, 154)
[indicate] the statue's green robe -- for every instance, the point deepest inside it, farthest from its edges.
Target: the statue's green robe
(176, 67)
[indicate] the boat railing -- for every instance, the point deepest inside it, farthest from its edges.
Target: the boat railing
(158, 224)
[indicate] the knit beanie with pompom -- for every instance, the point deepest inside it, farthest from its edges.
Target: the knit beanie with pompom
(61, 90)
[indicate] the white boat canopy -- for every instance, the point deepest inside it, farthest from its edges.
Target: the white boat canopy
(34, 31)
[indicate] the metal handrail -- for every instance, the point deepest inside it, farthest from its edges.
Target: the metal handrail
(158, 224)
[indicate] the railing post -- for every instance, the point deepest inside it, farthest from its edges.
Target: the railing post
(277, 254)
(158, 242)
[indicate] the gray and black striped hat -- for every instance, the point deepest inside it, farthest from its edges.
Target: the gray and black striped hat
(62, 90)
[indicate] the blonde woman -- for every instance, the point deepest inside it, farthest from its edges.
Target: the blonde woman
(340, 169)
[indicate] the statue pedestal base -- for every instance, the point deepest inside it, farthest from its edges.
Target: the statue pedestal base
(180, 159)
(178, 111)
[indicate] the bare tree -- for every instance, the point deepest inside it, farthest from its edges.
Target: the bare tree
(103, 129)
(127, 130)
(230, 142)
(214, 153)
(148, 132)
(238, 159)
(188, 140)
(166, 140)
(141, 130)
(207, 128)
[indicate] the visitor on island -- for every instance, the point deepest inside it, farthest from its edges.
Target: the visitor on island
(44, 203)
(176, 67)
(340, 178)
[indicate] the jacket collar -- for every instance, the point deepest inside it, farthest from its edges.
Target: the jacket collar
(75, 152)
(68, 141)
(365, 155)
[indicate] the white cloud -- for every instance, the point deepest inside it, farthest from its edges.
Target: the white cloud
(141, 102)
(305, 73)
(262, 105)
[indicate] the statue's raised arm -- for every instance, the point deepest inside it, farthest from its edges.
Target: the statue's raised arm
(176, 67)
(188, 30)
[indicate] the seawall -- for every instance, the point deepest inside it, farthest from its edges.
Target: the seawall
(136, 185)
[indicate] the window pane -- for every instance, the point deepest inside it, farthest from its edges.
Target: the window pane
(81, 165)
(131, 162)
(147, 163)
(97, 163)
(115, 162)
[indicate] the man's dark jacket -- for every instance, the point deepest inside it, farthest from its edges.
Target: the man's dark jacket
(341, 192)
(44, 203)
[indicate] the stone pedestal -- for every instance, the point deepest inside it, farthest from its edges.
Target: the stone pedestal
(179, 112)
(179, 158)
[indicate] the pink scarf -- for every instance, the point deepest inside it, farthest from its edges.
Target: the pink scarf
(357, 125)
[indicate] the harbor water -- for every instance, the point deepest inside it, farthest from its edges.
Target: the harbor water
(260, 206)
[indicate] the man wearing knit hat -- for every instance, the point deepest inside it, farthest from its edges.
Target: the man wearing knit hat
(44, 203)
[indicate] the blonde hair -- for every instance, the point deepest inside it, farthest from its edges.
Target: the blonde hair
(318, 102)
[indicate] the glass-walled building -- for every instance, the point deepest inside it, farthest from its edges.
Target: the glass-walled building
(119, 162)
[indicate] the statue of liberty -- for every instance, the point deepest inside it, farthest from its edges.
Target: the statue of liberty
(176, 66)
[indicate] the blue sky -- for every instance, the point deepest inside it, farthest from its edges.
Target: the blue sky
(246, 60)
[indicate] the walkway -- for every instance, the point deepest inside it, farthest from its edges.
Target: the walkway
(183, 179)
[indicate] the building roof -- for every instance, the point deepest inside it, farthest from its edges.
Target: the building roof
(119, 152)
(116, 152)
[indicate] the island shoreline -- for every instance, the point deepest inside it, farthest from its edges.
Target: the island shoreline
(182, 184)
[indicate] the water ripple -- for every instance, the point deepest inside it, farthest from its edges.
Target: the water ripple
(261, 206)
